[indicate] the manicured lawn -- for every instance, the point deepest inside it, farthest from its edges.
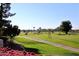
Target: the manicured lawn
(22, 34)
(45, 49)
(69, 40)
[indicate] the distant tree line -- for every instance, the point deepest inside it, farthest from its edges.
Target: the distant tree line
(65, 27)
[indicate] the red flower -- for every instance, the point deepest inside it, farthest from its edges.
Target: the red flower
(10, 52)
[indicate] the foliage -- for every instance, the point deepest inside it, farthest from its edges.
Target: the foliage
(6, 29)
(66, 26)
(39, 30)
(57, 29)
(4, 13)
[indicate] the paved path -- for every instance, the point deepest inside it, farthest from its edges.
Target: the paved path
(52, 43)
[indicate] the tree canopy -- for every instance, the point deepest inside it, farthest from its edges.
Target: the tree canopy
(66, 26)
(6, 29)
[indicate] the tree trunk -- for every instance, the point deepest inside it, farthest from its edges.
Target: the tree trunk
(66, 32)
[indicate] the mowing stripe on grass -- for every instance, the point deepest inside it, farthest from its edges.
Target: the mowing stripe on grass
(52, 43)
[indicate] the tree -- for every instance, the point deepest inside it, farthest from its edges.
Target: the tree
(4, 14)
(33, 29)
(11, 31)
(6, 29)
(44, 30)
(57, 29)
(39, 30)
(49, 33)
(66, 26)
(15, 30)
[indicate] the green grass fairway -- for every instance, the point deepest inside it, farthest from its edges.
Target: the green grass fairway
(68, 40)
(45, 49)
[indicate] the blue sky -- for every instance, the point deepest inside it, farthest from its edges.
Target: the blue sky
(45, 15)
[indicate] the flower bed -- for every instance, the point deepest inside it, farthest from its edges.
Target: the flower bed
(4, 51)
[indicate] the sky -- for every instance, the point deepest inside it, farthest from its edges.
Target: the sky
(44, 15)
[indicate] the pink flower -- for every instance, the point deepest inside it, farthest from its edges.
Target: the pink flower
(10, 52)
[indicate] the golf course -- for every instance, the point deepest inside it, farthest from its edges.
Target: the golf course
(56, 45)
